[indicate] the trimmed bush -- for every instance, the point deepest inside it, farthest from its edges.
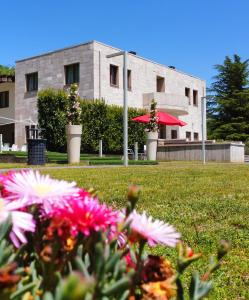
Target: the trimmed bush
(52, 117)
(99, 120)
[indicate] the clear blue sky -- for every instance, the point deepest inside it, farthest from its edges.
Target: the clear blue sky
(192, 35)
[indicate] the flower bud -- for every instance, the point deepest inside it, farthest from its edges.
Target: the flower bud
(224, 247)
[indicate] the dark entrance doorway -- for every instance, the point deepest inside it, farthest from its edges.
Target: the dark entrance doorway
(8, 132)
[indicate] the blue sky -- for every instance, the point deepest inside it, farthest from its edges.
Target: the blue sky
(192, 35)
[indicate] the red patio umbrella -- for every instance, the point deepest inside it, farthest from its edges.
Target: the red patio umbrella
(162, 118)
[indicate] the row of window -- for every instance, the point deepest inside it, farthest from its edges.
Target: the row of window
(188, 135)
(160, 84)
(188, 95)
(4, 99)
(114, 77)
(174, 134)
(72, 75)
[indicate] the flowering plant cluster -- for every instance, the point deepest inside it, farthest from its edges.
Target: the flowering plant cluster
(58, 242)
(153, 125)
(73, 108)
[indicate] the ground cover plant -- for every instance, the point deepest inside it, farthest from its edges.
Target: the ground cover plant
(57, 241)
(206, 204)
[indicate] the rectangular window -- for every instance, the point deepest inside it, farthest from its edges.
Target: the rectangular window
(160, 84)
(188, 135)
(129, 79)
(72, 74)
(4, 99)
(114, 80)
(32, 82)
(162, 131)
(195, 98)
(174, 134)
(196, 136)
(187, 94)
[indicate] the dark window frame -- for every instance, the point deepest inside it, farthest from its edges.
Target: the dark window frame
(195, 97)
(75, 69)
(4, 99)
(174, 134)
(31, 82)
(160, 81)
(196, 136)
(187, 94)
(189, 135)
(114, 75)
(162, 132)
(129, 80)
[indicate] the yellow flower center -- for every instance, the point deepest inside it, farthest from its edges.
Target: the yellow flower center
(42, 189)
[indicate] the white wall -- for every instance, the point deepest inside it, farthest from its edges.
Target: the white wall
(94, 82)
(8, 112)
(144, 73)
(50, 68)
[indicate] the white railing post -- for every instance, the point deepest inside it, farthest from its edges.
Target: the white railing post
(136, 150)
(1, 142)
(100, 148)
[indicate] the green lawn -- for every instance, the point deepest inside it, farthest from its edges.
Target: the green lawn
(205, 203)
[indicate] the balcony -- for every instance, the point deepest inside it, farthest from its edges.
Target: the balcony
(171, 103)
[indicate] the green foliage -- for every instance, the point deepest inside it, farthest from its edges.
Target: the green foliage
(73, 110)
(102, 121)
(99, 121)
(228, 103)
(8, 71)
(94, 125)
(52, 117)
(152, 125)
(104, 161)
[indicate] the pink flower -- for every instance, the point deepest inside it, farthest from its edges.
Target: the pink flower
(3, 179)
(86, 214)
(21, 222)
(30, 187)
(155, 232)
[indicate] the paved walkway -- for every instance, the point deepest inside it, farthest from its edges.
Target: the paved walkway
(61, 167)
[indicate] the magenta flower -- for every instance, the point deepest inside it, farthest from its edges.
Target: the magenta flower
(21, 222)
(155, 232)
(26, 188)
(86, 214)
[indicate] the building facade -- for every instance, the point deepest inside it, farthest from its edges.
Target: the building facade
(7, 108)
(100, 77)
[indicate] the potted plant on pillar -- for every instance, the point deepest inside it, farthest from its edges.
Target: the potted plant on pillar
(74, 128)
(152, 133)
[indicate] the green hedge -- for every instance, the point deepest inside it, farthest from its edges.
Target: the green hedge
(52, 118)
(120, 162)
(99, 120)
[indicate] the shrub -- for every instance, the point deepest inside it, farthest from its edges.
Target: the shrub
(99, 121)
(52, 117)
(247, 147)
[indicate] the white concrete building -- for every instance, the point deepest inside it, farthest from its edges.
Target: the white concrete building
(100, 77)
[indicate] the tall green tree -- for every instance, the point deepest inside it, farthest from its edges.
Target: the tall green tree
(9, 71)
(228, 104)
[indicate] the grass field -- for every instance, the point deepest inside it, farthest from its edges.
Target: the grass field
(61, 158)
(205, 203)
